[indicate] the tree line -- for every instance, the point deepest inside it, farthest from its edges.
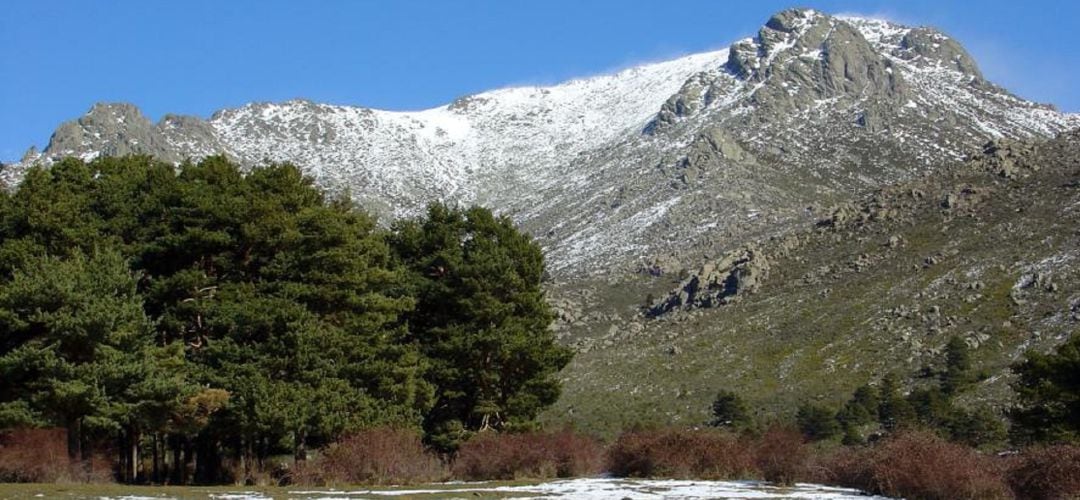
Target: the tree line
(1046, 409)
(202, 315)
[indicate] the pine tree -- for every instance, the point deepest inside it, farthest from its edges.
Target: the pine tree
(894, 411)
(1048, 396)
(481, 319)
(816, 422)
(730, 411)
(75, 340)
(957, 373)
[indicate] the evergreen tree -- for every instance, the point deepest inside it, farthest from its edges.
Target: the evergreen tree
(75, 345)
(816, 422)
(976, 428)
(1048, 396)
(730, 411)
(957, 373)
(481, 320)
(861, 409)
(894, 411)
(209, 312)
(932, 406)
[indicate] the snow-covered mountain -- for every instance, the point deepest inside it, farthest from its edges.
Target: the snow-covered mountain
(658, 164)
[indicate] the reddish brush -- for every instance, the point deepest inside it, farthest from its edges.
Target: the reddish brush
(681, 453)
(782, 456)
(534, 455)
(922, 465)
(1047, 473)
(374, 456)
(40, 456)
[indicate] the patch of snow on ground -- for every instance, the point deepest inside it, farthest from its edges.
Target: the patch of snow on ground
(601, 488)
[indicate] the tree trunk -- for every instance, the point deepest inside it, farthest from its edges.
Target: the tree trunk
(155, 474)
(189, 460)
(177, 466)
(300, 446)
(132, 470)
(74, 439)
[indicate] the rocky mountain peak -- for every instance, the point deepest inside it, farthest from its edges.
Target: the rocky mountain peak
(117, 129)
(936, 47)
(924, 47)
(804, 55)
(107, 128)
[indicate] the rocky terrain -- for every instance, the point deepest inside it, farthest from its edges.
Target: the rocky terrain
(986, 250)
(706, 219)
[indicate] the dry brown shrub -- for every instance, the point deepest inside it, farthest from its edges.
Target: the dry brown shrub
(534, 455)
(1046, 473)
(40, 456)
(922, 465)
(782, 456)
(850, 466)
(374, 456)
(681, 453)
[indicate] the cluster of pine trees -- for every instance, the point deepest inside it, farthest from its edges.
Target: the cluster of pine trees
(1046, 409)
(201, 314)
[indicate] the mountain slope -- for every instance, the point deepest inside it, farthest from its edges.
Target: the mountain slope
(986, 251)
(648, 165)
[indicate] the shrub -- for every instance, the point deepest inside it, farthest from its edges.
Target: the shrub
(534, 455)
(923, 465)
(681, 453)
(781, 455)
(850, 466)
(40, 456)
(1047, 473)
(375, 456)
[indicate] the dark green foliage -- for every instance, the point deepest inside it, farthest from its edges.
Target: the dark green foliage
(78, 350)
(730, 411)
(894, 411)
(929, 407)
(957, 374)
(245, 314)
(816, 422)
(932, 406)
(482, 320)
(861, 409)
(857, 412)
(976, 428)
(1048, 396)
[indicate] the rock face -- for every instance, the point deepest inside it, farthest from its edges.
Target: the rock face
(821, 56)
(721, 282)
(121, 129)
(1007, 158)
(666, 162)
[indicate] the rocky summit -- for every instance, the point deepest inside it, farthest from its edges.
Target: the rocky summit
(682, 204)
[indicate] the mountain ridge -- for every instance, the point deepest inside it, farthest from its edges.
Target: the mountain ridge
(646, 166)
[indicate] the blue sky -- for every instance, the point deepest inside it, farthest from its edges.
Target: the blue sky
(57, 58)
